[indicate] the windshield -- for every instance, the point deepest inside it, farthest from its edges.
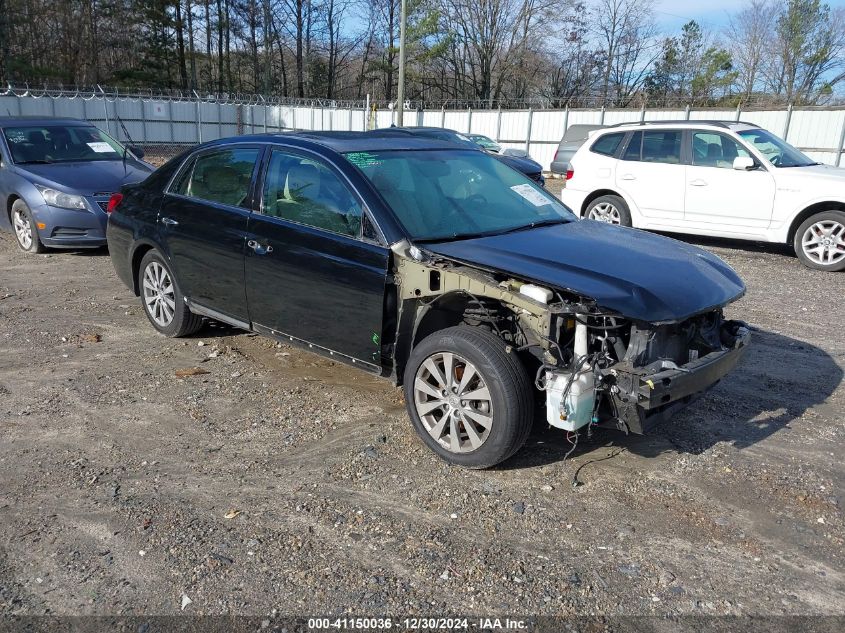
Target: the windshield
(484, 141)
(454, 194)
(778, 152)
(60, 144)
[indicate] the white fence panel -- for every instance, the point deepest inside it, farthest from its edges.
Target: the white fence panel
(485, 122)
(817, 129)
(818, 132)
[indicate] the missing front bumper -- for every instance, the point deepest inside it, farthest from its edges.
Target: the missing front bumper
(643, 397)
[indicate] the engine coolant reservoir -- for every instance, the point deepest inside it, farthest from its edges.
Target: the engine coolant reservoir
(576, 409)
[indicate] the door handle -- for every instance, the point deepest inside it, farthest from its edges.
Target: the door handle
(698, 182)
(169, 221)
(628, 177)
(260, 249)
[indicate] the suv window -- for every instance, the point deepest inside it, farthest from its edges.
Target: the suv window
(655, 146)
(223, 176)
(710, 149)
(308, 192)
(608, 144)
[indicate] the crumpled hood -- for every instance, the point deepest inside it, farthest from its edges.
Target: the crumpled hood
(639, 275)
(90, 177)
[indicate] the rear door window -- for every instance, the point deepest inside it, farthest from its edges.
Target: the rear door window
(224, 177)
(655, 146)
(608, 144)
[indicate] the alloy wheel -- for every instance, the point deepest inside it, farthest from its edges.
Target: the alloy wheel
(159, 294)
(605, 212)
(453, 402)
(23, 229)
(824, 242)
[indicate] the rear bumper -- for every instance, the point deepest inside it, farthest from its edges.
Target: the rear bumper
(560, 166)
(648, 395)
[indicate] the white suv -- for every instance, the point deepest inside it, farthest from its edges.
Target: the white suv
(725, 179)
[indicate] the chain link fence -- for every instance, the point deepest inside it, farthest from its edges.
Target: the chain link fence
(166, 123)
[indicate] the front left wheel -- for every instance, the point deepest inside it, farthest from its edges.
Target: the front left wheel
(163, 302)
(469, 396)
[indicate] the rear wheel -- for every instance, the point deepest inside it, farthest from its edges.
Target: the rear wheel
(163, 302)
(610, 210)
(820, 241)
(468, 396)
(26, 231)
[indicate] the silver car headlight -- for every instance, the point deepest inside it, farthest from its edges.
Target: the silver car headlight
(62, 200)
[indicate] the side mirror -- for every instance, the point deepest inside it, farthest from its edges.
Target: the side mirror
(743, 163)
(137, 151)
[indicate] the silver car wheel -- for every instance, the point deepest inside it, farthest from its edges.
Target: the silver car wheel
(159, 294)
(605, 212)
(824, 242)
(23, 229)
(453, 402)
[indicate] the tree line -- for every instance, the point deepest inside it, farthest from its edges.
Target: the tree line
(465, 52)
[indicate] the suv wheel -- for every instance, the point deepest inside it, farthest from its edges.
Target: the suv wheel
(26, 231)
(163, 302)
(820, 241)
(468, 396)
(609, 209)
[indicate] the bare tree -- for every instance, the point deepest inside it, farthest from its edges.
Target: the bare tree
(626, 31)
(750, 33)
(809, 51)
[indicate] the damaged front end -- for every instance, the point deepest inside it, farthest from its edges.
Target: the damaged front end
(593, 367)
(639, 373)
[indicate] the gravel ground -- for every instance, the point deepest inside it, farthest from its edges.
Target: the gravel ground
(279, 482)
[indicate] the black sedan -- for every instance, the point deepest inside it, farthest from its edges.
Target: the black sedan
(438, 267)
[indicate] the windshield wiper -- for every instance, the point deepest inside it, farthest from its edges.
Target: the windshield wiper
(39, 161)
(471, 236)
(534, 225)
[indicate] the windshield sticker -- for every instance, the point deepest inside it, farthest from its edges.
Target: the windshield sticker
(101, 147)
(363, 159)
(531, 194)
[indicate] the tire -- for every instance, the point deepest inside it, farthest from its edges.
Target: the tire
(163, 302)
(25, 229)
(609, 209)
(496, 376)
(820, 241)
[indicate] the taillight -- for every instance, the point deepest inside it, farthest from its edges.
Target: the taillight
(117, 198)
(570, 173)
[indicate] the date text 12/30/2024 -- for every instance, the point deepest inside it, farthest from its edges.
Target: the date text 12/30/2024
(417, 624)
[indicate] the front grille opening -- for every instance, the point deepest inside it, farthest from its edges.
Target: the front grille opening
(62, 231)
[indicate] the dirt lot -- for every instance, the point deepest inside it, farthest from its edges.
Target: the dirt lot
(281, 481)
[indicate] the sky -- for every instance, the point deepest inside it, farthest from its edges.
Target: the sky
(713, 15)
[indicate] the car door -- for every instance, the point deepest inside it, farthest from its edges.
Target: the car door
(719, 195)
(204, 219)
(315, 269)
(651, 174)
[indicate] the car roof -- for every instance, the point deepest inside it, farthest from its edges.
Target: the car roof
(343, 142)
(725, 125)
(41, 120)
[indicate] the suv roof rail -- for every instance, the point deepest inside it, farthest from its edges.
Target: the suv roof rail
(724, 124)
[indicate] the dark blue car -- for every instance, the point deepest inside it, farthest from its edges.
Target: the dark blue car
(56, 179)
(439, 267)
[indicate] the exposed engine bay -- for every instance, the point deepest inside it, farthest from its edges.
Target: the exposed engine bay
(592, 366)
